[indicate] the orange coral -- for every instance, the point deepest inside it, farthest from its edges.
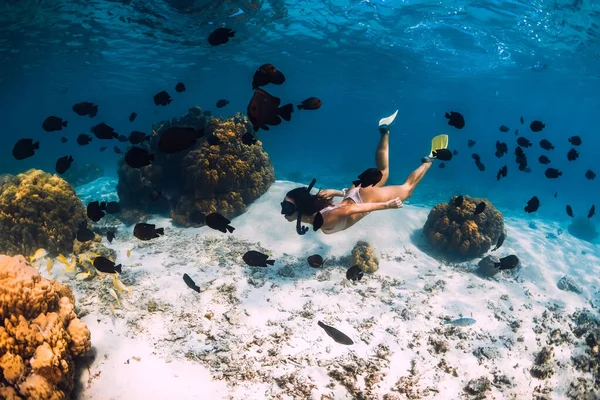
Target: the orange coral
(456, 232)
(39, 334)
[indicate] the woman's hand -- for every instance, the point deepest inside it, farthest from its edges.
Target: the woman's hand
(327, 193)
(394, 203)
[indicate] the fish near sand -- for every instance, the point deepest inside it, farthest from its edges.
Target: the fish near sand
(86, 108)
(110, 235)
(569, 211)
(264, 110)
(222, 103)
(162, 98)
(95, 210)
(84, 234)
(137, 137)
(458, 201)
(480, 208)
(354, 273)
(500, 241)
(103, 264)
(257, 259)
(265, 74)
(220, 36)
(218, 222)
(335, 334)
(132, 116)
(190, 283)
(25, 148)
(532, 205)
(113, 207)
(592, 211)
(53, 123)
(63, 164)
(312, 103)
(508, 262)
(455, 119)
(370, 177)
(145, 231)
(222, 250)
(104, 131)
(462, 322)
(180, 87)
(38, 255)
(315, 261)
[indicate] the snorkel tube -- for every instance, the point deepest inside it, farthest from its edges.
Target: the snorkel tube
(301, 230)
(288, 208)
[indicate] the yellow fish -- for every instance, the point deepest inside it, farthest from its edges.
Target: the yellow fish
(81, 258)
(112, 310)
(40, 253)
(114, 294)
(62, 259)
(83, 275)
(49, 265)
(120, 286)
(128, 253)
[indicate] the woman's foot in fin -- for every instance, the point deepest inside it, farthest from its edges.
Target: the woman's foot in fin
(384, 129)
(427, 159)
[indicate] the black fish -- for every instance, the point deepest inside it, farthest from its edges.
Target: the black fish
(458, 201)
(504, 128)
(500, 241)
(456, 119)
(544, 160)
(220, 36)
(180, 87)
(575, 140)
(522, 120)
(83, 139)
(155, 194)
(248, 139)
(24, 148)
(315, 261)
(569, 211)
(103, 131)
(174, 140)
(197, 217)
(145, 231)
(102, 148)
(113, 207)
(442, 165)
(354, 273)
(592, 211)
(537, 126)
(502, 172)
(110, 235)
(86, 108)
(264, 110)
(522, 141)
(555, 194)
(206, 113)
(52, 124)
(471, 143)
(572, 155)
(590, 174)
(213, 139)
(84, 234)
(256, 259)
(532, 205)
(122, 138)
(516, 132)
(218, 222)
(132, 116)
(480, 208)
(94, 210)
(476, 156)
(138, 158)
(546, 145)
(63, 164)
(480, 165)
(508, 262)
(370, 177)
(442, 154)
(312, 103)
(222, 103)
(336, 335)
(265, 74)
(162, 98)
(137, 137)
(455, 152)
(103, 264)
(501, 149)
(63, 139)
(552, 173)
(190, 283)
(117, 150)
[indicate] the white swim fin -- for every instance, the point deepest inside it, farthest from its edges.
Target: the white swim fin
(388, 120)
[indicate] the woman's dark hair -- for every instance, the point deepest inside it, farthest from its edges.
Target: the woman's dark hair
(307, 203)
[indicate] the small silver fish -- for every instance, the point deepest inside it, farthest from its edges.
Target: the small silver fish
(461, 322)
(222, 250)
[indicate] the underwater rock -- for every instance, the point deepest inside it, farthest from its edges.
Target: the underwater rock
(80, 174)
(224, 178)
(582, 228)
(40, 335)
(478, 387)
(567, 284)
(363, 255)
(456, 232)
(38, 210)
(542, 368)
(486, 265)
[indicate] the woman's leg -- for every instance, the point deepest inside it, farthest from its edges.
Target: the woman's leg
(382, 156)
(383, 194)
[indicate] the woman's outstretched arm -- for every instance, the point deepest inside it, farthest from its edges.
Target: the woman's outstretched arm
(364, 208)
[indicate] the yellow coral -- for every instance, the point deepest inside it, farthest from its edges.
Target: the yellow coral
(363, 255)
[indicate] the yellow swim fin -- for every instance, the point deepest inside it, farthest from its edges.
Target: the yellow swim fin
(438, 142)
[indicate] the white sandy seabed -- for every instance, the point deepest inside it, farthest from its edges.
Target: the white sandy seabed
(252, 332)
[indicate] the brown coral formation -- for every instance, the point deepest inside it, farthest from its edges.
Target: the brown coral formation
(224, 178)
(39, 334)
(363, 255)
(38, 210)
(459, 233)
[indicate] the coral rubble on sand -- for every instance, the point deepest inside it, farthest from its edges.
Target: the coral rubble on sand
(39, 334)
(223, 178)
(38, 210)
(457, 232)
(363, 255)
